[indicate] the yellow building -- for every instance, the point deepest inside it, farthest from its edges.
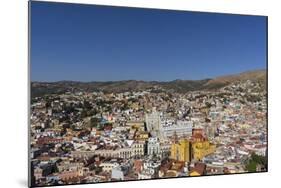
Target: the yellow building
(181, 150)
(202, 148)
(136, 125)
(142, 135)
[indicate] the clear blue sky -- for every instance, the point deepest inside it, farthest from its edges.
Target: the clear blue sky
(100, 43)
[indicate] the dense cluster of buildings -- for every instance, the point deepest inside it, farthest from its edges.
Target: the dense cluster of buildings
(86, 137)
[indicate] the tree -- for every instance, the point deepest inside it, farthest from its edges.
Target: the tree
(251, 166)
(94, 122)
(254, 161)
(209, 105)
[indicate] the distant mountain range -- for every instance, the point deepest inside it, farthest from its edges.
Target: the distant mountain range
(42, 88)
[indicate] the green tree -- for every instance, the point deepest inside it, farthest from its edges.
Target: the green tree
(94, 122)
(254, 161)
(251, 166)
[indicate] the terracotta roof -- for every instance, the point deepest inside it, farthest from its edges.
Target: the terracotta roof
(199, 168)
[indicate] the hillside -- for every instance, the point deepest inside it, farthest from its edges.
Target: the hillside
(42, 88)
(257, 75)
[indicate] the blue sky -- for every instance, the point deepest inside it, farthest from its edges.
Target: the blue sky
(102, 43)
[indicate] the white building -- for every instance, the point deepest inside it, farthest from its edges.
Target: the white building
(146, 174)
(138, 148)
(153, 122)
(107, 166)
(117, 173)
(150, 169)
(182, 128)
(133, 149)
(153, 146)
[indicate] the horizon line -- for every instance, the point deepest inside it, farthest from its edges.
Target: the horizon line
(139, 80)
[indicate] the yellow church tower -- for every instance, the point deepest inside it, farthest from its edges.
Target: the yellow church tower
(201, 149)
(181, 150)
